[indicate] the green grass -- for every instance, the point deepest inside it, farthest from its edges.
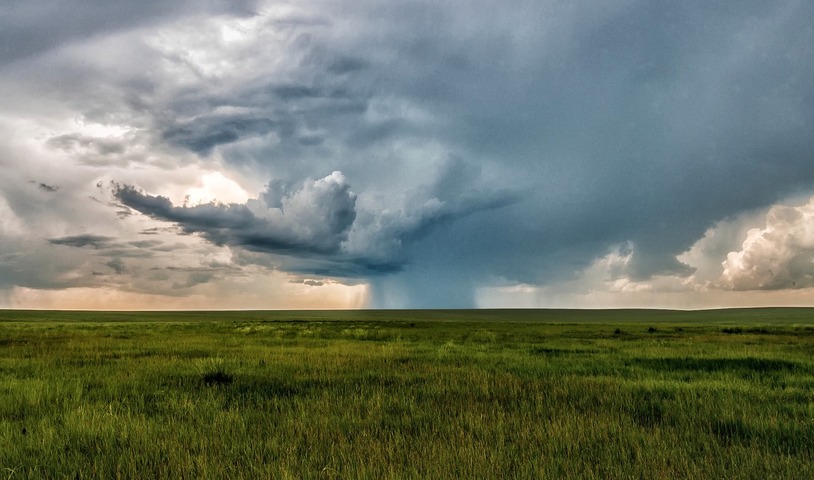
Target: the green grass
(408, 394)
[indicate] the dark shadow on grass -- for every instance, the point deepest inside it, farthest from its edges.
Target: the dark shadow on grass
(752, 364)
(217, 377)
(788, 439)
(560, 352)
(651, 408)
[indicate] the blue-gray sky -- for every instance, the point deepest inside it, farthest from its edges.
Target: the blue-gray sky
(310, 154)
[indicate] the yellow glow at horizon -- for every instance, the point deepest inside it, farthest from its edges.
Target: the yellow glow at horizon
(330, 296)
(530, 296)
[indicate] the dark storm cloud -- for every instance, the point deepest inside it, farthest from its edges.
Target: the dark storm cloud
(82, 241)
(117, 265)
(313, 219)
(28, 28)
(294, 112)
(344, 65)
(318, 223)
(628, 122)
(204, 133)
(583, 125)
(215, 217)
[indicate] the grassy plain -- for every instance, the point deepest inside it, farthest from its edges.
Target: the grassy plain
(408, 394)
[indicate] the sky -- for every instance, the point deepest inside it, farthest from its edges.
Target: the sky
(406, 154)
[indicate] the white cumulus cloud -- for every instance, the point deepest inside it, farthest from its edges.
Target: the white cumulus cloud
(779, 255)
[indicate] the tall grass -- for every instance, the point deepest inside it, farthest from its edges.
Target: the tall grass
(406, 395)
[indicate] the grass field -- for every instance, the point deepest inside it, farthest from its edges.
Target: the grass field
(408, 394)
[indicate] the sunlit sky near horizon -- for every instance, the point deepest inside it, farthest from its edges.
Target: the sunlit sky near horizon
(342, 154)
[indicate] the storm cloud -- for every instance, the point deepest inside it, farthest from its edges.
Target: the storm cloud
(482, 145)
(80, 241)
(318, 220)
(313, 219)
(31, 28)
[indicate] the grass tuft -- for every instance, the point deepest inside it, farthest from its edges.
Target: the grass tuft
(213, 371)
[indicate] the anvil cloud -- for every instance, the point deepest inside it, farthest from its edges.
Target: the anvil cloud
(270, 154)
